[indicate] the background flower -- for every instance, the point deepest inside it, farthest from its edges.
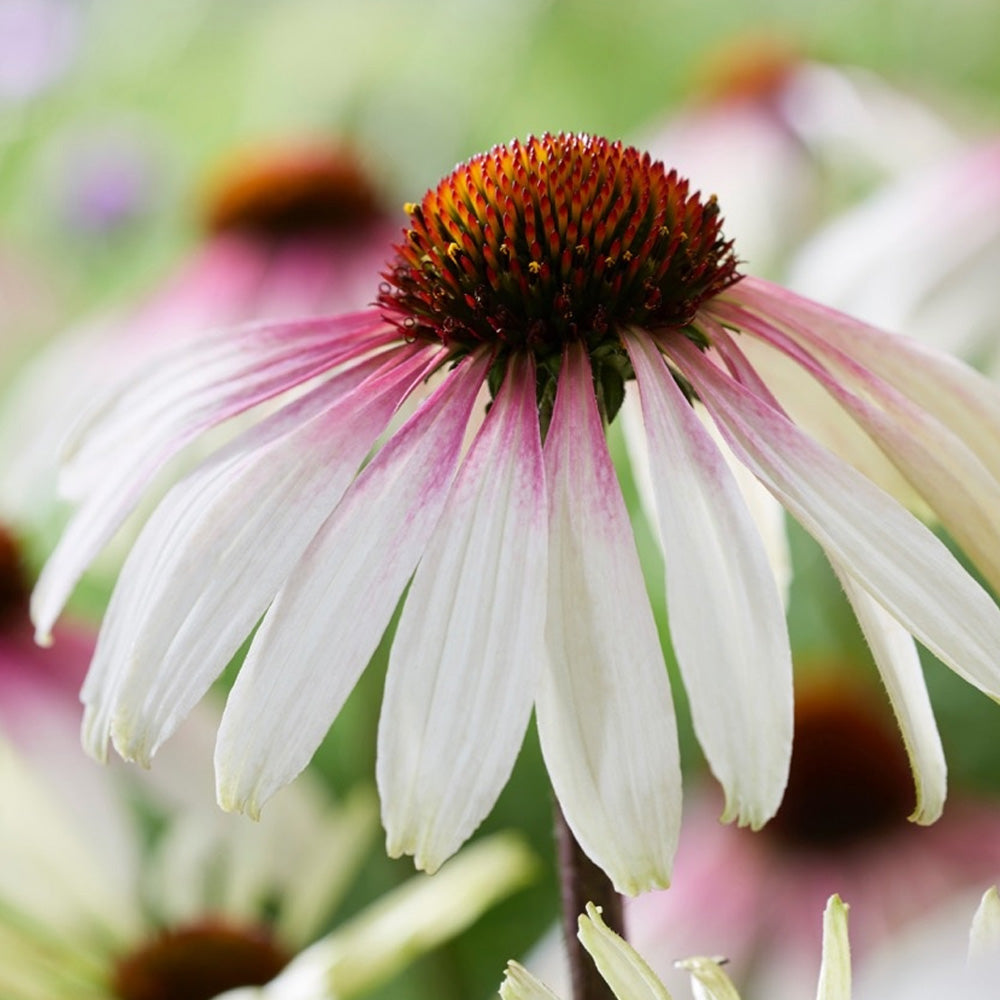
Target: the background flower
(920, 256)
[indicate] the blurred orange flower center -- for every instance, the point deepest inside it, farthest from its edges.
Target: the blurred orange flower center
(198, 962)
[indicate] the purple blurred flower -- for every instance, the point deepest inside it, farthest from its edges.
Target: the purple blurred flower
(38, 41)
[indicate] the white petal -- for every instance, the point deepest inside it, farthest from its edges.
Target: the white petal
(222, 542)
(194, 553)
(708, 979)
(424, 912)
(637, 447)
(150, 425)
(205, 380)
(336, 844)
(835, 968)
(898, 663)
(51, 873)
(941, 466)
(327, 620)
(470, 641)
(403, 924)
(768, 515)
(984, 937)
(519, 984)
(726, 616)
(888, 551)
(605, 716)
(960, 397)
(623, 969)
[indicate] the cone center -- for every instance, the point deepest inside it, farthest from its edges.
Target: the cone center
(198, 962)
(558, 238)
(850, 778)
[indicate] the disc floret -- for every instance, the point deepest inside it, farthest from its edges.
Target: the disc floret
(558, 238)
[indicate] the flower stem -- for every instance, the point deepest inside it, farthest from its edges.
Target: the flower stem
(583, 882)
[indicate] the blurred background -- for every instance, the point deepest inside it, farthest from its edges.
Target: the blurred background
(118, 118)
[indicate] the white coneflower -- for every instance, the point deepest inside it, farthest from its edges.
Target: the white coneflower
(784, 139)
(546, 274)
(920, 256)
(89, 910)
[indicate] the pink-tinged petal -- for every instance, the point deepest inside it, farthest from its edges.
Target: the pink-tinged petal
(935, 460)
(470, 641)
(327, 620)
(222, 542)
(182, 392)
(727, 621)
(899, 664)
(820, 416)
(142, 584)
(119, 476)
(961, 398)
(605, 716)
(884, 548)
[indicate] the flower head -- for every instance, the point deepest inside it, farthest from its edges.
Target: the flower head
(496, 503)
(92, 907)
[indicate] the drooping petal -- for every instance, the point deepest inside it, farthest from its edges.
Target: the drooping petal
(835, 968)
(820, 416)
(605, 716)
(899, 665)
(885, 549)
(768, 515)
(218, 548)
(621, 966)
(960, 397)
(188, 389)
(941, 466)
(726, 617)
(327, 620)
(154, 422)
(223, 541)
(470, 640)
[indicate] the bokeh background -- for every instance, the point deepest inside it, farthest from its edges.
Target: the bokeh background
(114, 113)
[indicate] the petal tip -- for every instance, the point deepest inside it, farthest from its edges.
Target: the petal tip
(132, 743)
(232, 800)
